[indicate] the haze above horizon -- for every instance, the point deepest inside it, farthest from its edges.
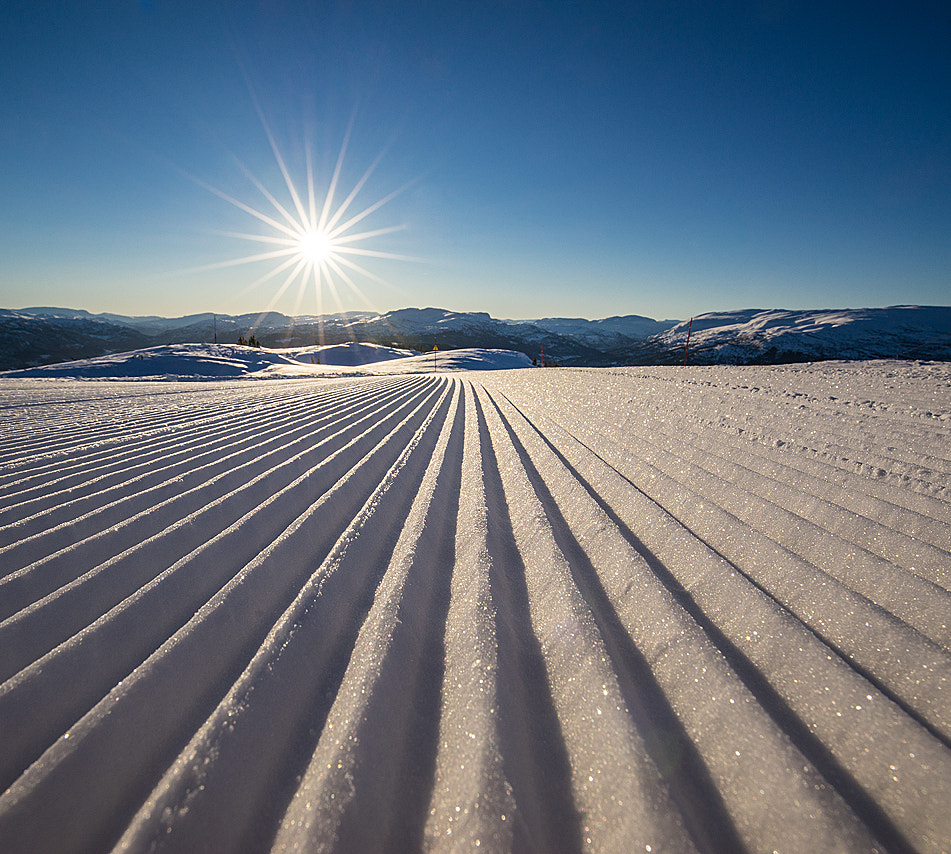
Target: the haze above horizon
(526, 159)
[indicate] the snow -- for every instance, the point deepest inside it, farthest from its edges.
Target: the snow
(215, 361)
(738, 337)
(370, 606)
(349, 355)
(28, 337)
(606, 334)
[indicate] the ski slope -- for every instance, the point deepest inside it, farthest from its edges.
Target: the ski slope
(614, 610)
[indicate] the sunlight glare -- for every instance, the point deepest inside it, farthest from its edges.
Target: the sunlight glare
(313, 237)
(315, 245)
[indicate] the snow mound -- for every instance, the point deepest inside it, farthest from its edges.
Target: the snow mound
(465, 359)
(351, 354)
(234, 361)
(171, 361)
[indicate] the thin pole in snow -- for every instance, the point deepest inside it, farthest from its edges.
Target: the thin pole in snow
(687, 346)
(435, 350)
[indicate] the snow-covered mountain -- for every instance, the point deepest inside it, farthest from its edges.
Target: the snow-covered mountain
(27, 336)
(37, 336)
(776, 336)
(43, 339)
(607, 334)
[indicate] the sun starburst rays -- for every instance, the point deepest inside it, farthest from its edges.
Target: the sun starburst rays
(315, 241)
(312, 240)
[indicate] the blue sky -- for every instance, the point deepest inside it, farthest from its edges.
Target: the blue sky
(543, 158)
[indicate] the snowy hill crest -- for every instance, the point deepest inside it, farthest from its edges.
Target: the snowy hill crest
(40, 336)
(774, 336)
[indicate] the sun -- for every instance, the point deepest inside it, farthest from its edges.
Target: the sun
(315, 246)
(312, 241)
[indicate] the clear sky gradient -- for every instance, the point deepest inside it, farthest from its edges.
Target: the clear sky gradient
(547, 158)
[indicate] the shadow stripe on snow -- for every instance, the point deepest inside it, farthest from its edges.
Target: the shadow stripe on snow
(27, 547)
(741, 745)
(89, 479)
(762, 501)
(44, 699)
(472, 802)
(534, 756)
(369, 777)
(684, 771)
(141, 430)
(221, 499)
(863, 633)
(277, 710)
(809, 727)
(818, 480)
(620, 799)
(232, 533)
(676, 759)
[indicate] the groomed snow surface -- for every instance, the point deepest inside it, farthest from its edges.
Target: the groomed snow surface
(615, 610)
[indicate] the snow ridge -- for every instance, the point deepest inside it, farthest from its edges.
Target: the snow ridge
(638, 609)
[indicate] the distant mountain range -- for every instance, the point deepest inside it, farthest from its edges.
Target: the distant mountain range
(776, 336)
(38, 336)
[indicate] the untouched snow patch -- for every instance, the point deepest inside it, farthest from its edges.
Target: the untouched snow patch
(232, 361)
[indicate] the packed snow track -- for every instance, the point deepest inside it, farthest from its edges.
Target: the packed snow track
(631, 610)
